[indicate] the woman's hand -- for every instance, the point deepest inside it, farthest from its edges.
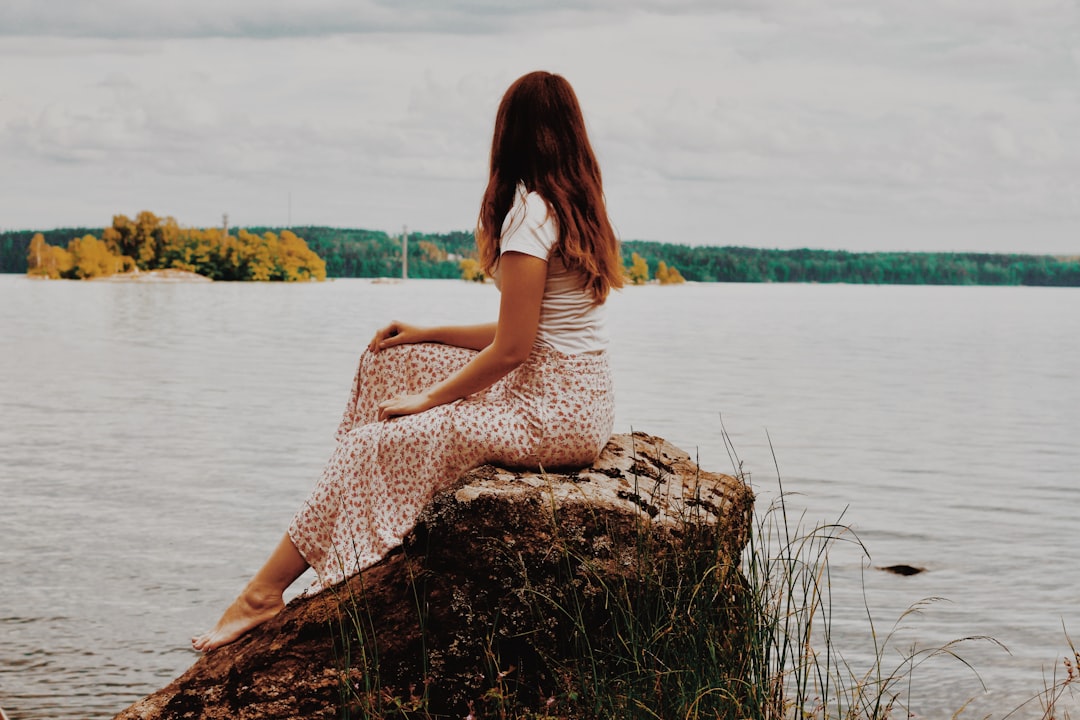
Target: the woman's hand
(405, 405)
(396, 333)
(506, 345)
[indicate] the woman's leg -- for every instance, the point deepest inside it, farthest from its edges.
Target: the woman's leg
(380, 473)
(260, 600)
(372, 491)
(398, 370)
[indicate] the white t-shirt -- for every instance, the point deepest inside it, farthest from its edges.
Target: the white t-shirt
(569, 320)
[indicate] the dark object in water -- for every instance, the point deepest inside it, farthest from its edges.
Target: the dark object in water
(902, 569)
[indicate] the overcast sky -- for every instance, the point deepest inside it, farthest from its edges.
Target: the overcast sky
(848, 124)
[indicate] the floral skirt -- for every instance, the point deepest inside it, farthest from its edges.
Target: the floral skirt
(552, 411)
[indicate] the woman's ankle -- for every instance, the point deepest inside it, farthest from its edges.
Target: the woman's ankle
(261, 596)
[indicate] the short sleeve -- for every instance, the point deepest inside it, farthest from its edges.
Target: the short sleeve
(529, 228)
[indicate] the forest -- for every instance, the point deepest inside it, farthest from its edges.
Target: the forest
(278, 253)
(742, 264)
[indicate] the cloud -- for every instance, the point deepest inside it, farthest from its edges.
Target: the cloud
(133, 19)
(774, 116)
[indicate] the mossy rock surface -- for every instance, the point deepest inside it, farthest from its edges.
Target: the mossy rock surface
(507, 579)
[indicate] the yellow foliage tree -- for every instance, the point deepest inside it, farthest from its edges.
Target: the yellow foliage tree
(192, 250)
(35, 255)
(471, 270)
(638, 272)
(256, 255)
(149, 242)
(91, 258)
(668, 275)
(431, 251)
(297, 261)
(270, 257)
(47, 260)
(143, 239)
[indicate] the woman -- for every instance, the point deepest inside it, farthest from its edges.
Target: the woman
(531, 390)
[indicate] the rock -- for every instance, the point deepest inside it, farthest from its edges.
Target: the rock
(902, 569)
(167, 275)
(504, 580)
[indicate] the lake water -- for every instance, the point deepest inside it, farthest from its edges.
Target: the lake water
(156, 439)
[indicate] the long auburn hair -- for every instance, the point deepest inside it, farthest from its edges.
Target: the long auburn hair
(540, 142)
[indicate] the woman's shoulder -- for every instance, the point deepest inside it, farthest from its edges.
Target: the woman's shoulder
(528, 226)
(530, 207)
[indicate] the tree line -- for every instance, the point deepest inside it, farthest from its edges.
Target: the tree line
(742, 264)
(350, 252)
(272, 253)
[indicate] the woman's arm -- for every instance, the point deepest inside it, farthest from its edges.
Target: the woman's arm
(522, 279)
(474, 337)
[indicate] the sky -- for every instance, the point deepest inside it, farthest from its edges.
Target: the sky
(867, 125)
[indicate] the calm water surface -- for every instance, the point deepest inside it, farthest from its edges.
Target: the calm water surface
(156, 439)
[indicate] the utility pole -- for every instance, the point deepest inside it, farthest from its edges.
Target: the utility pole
(290, 209)
(225, 225)
(404, 252)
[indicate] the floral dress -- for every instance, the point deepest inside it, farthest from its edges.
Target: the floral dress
(554, 410)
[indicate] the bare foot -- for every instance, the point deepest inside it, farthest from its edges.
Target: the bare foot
(252, 608)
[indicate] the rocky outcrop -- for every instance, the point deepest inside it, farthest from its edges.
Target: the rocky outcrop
(508, 579)
(168, 275)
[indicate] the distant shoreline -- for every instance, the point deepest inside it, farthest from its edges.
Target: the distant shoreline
(154, 276)
(345, 252)
(138, 276)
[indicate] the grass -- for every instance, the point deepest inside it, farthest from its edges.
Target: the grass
(673, 632)
(795, 668)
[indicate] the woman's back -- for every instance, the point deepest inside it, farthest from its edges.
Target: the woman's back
(571, 321)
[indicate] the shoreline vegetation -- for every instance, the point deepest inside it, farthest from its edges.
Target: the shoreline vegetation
(148, 242)
(153, 248)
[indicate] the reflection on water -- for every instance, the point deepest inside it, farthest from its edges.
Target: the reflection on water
(157, 438)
